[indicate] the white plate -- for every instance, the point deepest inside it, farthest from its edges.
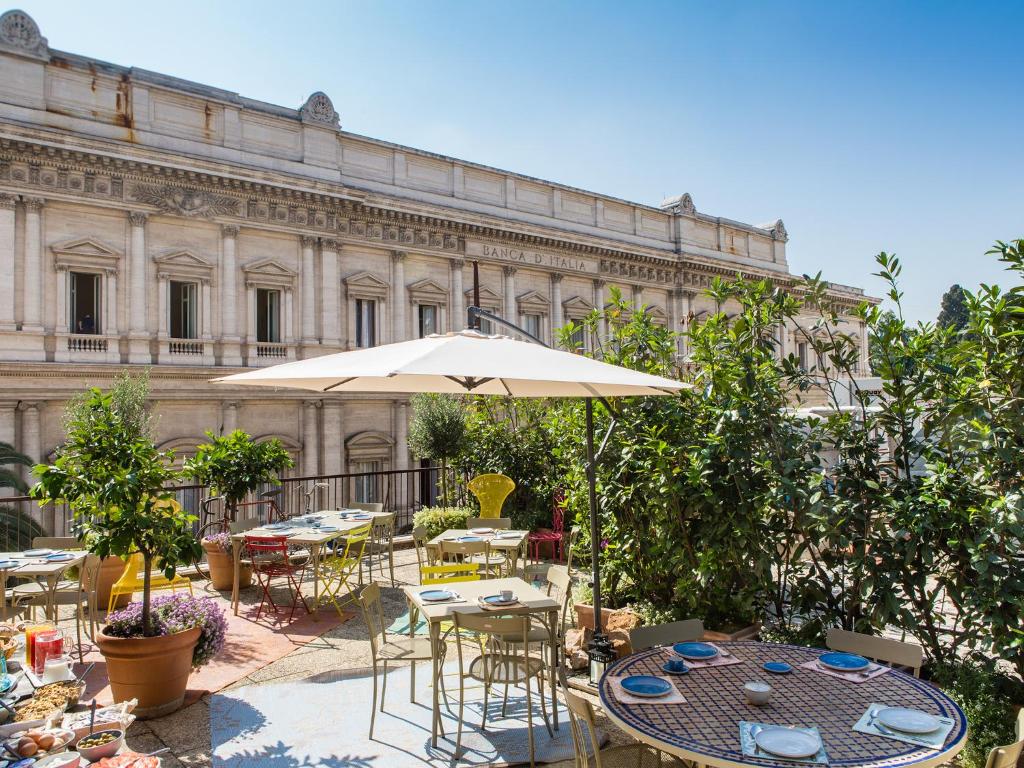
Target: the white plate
(907, 720)
(37, 552)
(481, 530)
(787, 742)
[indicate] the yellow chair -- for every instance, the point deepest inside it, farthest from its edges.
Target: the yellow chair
(491, 491)
(130, 581)
(337, 570)
(449, 574)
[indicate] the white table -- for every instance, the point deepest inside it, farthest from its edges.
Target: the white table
(510, 546)
(306, 535)
(45, 574)
(531, 600)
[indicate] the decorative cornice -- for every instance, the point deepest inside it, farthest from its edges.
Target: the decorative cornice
(185, 201)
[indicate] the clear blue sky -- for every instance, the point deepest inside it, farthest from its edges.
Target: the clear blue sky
(866, 126)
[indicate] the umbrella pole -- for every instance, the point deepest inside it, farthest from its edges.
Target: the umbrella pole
(600, 650)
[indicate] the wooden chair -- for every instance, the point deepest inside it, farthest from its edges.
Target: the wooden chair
(1008, 756)
(684, 631)
(587, 746)
(130, 581)
(497, 523)
(891, 652)
(491, 490)
(411, 649)
(381, 543)
(498, 664)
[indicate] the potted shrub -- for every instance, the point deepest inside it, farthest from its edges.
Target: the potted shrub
(234, 465)
(437, 431)
(221, 565)
(111, 475)
(195, 623)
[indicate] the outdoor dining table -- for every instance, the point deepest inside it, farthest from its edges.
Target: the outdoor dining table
(501, 540)
(304, 534)
(530, 601)
(45, 574)
(705, 728)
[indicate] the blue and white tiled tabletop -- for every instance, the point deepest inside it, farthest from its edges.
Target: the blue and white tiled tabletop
(705, 727)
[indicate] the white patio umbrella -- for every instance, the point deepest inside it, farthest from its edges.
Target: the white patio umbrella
(469, 362)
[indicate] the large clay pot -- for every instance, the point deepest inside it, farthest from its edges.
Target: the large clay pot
(222, 568)
(110, 571)
(154, 670)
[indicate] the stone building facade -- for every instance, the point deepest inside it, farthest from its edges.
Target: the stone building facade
(151, 221)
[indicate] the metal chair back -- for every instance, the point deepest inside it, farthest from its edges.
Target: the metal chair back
(491, 490)
(878, 648)
(497, 523)
(1008, 756)
(684, 631)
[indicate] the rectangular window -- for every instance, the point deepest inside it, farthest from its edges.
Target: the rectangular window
(531, 324)
(367, 485)
(486, 326)
(428, 319)
(801, 350)
(268, 315)
(85, 303)
(578, 338)
(366, 323)
(184, 310)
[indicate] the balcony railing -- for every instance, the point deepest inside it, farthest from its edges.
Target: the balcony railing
(400, 491)
(179, 347)
(86, 343)
(266, 349)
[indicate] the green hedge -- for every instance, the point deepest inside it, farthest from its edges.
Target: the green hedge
(437, 520)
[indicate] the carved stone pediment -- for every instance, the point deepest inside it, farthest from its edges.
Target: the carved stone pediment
(85, 253)
(366, 285)
(369, 444)
(427, 291)
(319, 109)
(576, 306)
(183, 263)
(533, 303)
(656, 313)
(268, 272)
(488, 298)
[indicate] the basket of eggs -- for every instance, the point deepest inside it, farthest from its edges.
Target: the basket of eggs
(38, 742)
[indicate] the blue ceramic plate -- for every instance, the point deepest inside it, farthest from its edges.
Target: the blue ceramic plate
(684, 670)
(9, 563)
(777, 667)
(327, 528)
(436, 595)
(844, 662)
(648, 686)
(469, 538)
(697, 651)
(497, 600)
(59, 557)
(362, 517)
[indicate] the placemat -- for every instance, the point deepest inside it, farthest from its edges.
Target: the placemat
(875, 670)
(675, 697)
(868, 723)
(750, 748)
(507, 606)
(721, 660)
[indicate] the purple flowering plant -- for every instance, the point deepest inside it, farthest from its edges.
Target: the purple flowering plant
(172, 614)
(222, 540)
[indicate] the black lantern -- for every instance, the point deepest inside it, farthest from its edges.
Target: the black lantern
(601, 655)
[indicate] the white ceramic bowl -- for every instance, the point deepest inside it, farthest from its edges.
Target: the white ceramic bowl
(92, 754)
(757, 693)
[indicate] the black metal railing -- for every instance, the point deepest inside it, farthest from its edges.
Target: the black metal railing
(400, 491)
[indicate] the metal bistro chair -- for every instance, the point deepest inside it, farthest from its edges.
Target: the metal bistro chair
(1008, 756)
(501, 664)
(411, 649)
(337, 570)
(381, 544)
(642, 638)
(555, 537)
(269, 557)
(891, 652)
(491, 490)
(478, 552)
(131, 581)
(497, 523)
(426, 554)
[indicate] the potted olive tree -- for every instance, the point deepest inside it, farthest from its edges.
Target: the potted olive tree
(111, 475)
(234, 466)
(437, 431)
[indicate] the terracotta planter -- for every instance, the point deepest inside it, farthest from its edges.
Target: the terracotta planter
(110, 571)
(154, 670)
(585, 616)
(743, 633)
(222, 568)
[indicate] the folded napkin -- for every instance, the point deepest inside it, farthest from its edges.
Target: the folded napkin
(674, 697)
(873, 671)
(715, 661)
(750, 748)
(868, 723)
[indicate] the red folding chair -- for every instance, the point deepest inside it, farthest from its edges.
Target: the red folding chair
(554, 537)
(270, 557)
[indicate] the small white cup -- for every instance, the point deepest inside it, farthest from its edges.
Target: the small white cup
(506, 595)
(757, 692)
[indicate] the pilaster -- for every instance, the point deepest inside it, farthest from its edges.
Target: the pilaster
(138, 337)
(508, 310)
(310, 438)
(230, 348)
(330, 289)
(398, 297)
(308, 295)
(334, 436)
(7, 223)
(557, 319)
(458, 316)
(31, 436)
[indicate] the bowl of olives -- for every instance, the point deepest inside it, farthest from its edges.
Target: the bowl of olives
(100, 744)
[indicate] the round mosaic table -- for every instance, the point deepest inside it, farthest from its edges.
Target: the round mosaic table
(705, 728)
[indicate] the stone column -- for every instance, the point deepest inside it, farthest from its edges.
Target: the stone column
(7, 214)
(32, 273)
(310, 441)
(110, 301)
(231, 353)
(685, 310)
(330, 289)
(31, 437)
(63, 294)
(458, 318)
(865, 351)
(334, 437)
(508, 310)
(673, 316)
(138, 339)
(162, 301)
(250, 317)
(638, 297)
(401, 411)
(229, 417)
(398, 299)
(308, 292)
(289, 323)
(602, 324)
(206, 331)
(557, 321)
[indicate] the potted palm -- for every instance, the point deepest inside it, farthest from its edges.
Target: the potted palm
(111, 475)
